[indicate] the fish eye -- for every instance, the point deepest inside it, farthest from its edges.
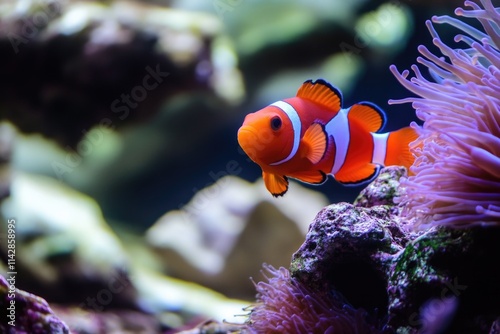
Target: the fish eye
(275, 123)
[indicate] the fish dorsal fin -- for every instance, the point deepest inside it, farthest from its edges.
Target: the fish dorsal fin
(321, 92)
(369, 115)
(314, 143)
(311, 176)
(276, 184)
(358, 175)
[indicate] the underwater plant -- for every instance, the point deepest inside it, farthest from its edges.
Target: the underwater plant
(456, 179)
(284, 305)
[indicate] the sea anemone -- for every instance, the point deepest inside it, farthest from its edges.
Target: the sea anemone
(284, 305)
(456, 179)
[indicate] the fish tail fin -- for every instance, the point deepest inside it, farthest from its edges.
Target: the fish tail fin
(398, 147)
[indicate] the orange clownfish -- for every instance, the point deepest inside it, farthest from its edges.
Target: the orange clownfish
(310, 136)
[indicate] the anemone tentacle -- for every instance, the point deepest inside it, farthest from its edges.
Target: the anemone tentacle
(456, 179)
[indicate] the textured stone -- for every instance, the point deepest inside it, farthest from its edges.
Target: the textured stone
(32, 314)
(383, 189)
(350, 248)
(440, 279)
(441, 264)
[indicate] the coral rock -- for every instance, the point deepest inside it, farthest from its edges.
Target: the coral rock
(350, 248)
(32, 314)
(441, 279)
(445, 264)
(383, 189)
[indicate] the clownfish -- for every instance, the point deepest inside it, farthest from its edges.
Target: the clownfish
(310, 136)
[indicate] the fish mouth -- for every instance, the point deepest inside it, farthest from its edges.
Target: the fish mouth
(247, 138)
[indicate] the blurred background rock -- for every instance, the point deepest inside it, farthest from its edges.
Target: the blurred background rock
(134, 107)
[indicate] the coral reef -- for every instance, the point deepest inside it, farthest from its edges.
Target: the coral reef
(457, 169)
(413, 282)
(31, 314)
(361, 269)
(69, 66)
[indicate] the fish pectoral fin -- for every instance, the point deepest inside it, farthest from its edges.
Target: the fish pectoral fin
(322, 92)
(276, 184)
(313, 176)
(314, 143)
(355, 176)
(369, 115)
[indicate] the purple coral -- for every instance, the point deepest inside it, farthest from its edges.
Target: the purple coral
(26, 313)
(457, 166)
(287, 306)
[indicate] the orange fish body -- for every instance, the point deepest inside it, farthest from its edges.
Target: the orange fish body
(310, 136)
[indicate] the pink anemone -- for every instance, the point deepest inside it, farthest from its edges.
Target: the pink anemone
(456, 179)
